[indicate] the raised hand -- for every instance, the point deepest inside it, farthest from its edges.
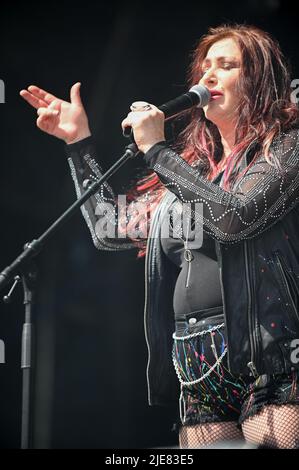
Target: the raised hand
(65, 120)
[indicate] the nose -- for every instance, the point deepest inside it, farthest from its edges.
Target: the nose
(209, 78)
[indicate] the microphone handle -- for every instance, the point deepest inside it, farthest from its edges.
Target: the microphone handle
(171, 108)
(179, 104)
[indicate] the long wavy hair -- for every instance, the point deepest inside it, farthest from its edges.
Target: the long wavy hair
(265, 110)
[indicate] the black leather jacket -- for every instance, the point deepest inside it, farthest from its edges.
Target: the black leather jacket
(256, 233)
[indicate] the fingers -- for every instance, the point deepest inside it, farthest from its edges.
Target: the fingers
(32, 100)
(41, 94)
(37, 97)
(136, 117)
(43, 123)
(48, 119)
(133, 118)
(47, 112)
(56, 104)
(75, 94)
(126, 122)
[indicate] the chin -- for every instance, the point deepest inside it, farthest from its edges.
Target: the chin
(214, 117)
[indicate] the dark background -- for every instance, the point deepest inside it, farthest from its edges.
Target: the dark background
(90, 382)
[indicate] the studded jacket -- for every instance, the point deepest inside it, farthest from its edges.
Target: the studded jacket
(256, 232)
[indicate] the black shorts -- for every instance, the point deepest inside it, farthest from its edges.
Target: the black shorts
(209, 392)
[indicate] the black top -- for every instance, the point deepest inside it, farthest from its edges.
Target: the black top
(198, 284)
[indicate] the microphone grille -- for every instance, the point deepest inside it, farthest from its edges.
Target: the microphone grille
(203, 94)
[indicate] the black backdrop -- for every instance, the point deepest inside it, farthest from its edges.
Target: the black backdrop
(91, 354)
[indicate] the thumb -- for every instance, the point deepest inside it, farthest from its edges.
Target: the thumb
(75, 94)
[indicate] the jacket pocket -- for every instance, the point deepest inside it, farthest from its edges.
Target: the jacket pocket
(289, 285)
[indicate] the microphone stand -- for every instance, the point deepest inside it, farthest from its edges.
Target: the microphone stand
(24, 268)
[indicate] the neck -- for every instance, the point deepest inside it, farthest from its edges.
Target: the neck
(227, 140)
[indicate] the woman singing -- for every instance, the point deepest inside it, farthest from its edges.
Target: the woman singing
(221, 312)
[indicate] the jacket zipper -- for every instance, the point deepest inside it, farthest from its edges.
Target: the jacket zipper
(146, 308)
(251, 318)
(188, 255)
(281, 264)
(147, 298)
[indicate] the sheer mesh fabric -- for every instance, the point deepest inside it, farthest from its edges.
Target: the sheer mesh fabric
(262, 197)
(99, 211)
(274, 427)
(202, 435)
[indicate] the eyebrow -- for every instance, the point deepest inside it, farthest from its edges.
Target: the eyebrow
(220, 59)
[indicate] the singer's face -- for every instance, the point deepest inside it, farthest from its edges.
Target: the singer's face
(221, 70)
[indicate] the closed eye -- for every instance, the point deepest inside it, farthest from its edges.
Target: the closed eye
(227, 66)
(224, 65)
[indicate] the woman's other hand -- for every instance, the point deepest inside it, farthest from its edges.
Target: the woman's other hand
(147, 125)
(65, 120)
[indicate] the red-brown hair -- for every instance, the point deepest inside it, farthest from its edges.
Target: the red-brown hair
(265, 110)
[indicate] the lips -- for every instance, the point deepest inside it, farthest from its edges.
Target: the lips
(216, 94)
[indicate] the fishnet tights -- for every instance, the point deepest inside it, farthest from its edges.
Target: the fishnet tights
(275, 426)
(202, 435)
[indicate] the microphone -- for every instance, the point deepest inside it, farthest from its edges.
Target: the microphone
(198, 95)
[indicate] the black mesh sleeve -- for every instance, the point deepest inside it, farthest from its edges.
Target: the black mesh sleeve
(262, 197)
(99, 211)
